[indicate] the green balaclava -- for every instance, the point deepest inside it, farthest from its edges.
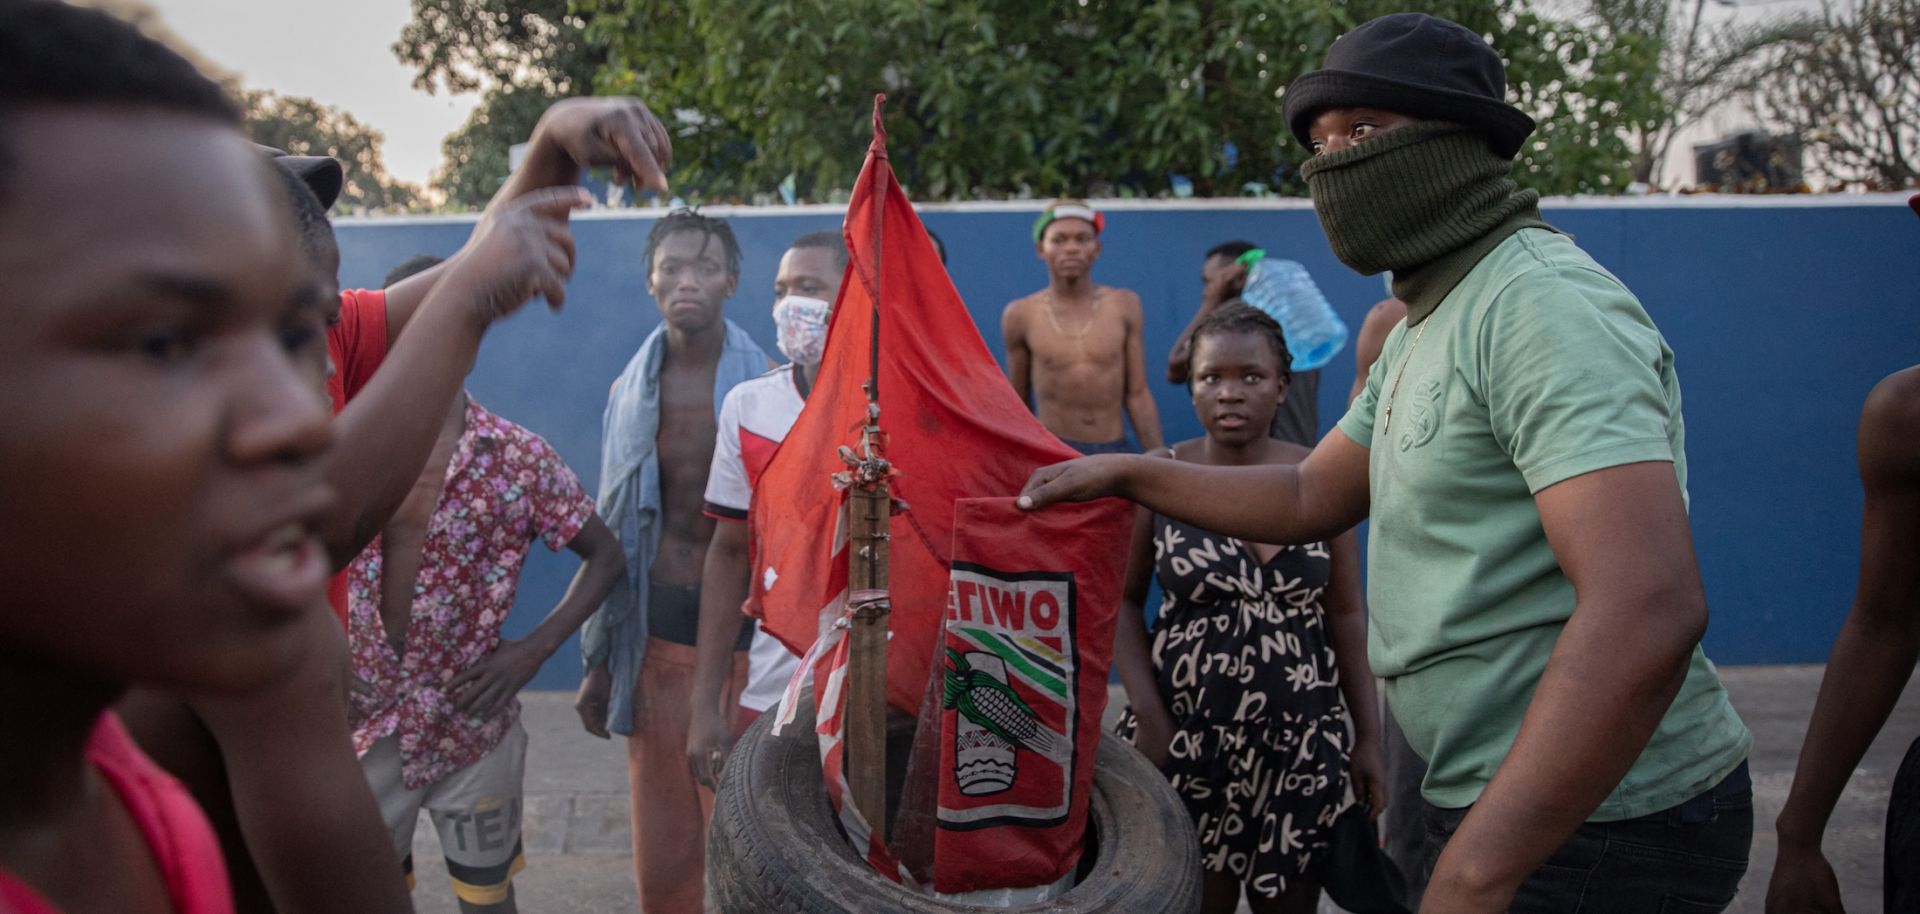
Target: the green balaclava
(1425, 201)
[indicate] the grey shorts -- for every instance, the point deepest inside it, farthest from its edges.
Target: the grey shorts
(476, 811)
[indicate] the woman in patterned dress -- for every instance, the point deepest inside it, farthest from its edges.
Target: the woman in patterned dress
(1258, 654)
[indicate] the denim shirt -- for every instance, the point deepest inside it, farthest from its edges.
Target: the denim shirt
(629, 502)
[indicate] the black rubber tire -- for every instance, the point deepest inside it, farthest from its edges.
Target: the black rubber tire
(775, 846)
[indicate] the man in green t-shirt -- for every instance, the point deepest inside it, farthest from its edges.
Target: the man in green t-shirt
(1537, 609)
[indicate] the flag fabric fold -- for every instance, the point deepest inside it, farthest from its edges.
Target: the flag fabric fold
(954, 429)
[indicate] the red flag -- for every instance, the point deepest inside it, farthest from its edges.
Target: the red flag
(954, 426)
(953, 429)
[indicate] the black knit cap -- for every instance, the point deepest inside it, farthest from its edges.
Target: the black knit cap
(1413, 64)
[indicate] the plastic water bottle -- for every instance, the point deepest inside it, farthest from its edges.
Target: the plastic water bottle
(1286, 293)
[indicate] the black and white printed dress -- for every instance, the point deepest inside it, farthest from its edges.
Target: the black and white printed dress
(1246, 670)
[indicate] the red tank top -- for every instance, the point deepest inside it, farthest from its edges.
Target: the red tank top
(178, 834)
(356, 345)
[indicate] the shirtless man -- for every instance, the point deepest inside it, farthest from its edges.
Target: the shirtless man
(1871, 662)
(1074, 349)
(656, 445)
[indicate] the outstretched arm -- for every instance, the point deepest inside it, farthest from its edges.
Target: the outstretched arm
(384, 435)
(573, 135)
(1315, 499)
(1621, 536)
(484, 688)
(1141, 410)
(1874, 655)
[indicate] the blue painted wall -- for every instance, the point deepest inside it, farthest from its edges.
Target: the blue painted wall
(1783, 317)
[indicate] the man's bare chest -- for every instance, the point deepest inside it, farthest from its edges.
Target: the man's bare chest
(409, 524)
(684, 442)
(1069, 335)
(1099, 349)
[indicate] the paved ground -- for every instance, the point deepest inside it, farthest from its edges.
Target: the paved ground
(577, 829)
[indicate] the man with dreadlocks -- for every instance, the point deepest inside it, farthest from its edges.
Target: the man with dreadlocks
(656, 445)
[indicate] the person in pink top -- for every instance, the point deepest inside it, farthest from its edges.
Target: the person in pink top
(183, 845)
(160, 451)
(275, 769)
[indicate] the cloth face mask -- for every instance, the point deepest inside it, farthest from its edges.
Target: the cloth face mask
(1408, 196)
(802, 326)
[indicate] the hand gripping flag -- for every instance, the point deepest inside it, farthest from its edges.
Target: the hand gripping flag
(954, 429)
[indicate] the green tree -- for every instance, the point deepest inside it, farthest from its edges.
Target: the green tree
(303, 126)
(994, 98)
(522, 55)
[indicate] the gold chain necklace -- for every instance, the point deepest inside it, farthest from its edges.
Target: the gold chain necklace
(1092, 316)
(1394, 394)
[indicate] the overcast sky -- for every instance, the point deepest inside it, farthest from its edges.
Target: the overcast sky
(335, 52)
(342, 57)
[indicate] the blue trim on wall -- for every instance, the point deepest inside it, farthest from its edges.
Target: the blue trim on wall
(1782, 318)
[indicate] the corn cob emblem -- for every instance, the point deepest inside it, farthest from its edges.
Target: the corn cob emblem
(990, 703)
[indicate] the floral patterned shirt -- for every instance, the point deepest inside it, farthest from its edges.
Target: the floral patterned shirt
(505, 487)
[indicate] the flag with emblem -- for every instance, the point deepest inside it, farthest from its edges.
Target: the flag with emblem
(954, 429)
(1029, 638)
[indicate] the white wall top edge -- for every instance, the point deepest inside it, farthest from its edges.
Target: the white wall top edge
(1222, 204)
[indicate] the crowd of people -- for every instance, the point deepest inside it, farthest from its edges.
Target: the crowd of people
(207, 442)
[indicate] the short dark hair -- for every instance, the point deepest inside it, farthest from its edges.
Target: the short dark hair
(412, 266)
(1230, 249)
(52, 53)
(939, 247)
(309, 215)
(824, 240)
(687, 220)
(1236, 316)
